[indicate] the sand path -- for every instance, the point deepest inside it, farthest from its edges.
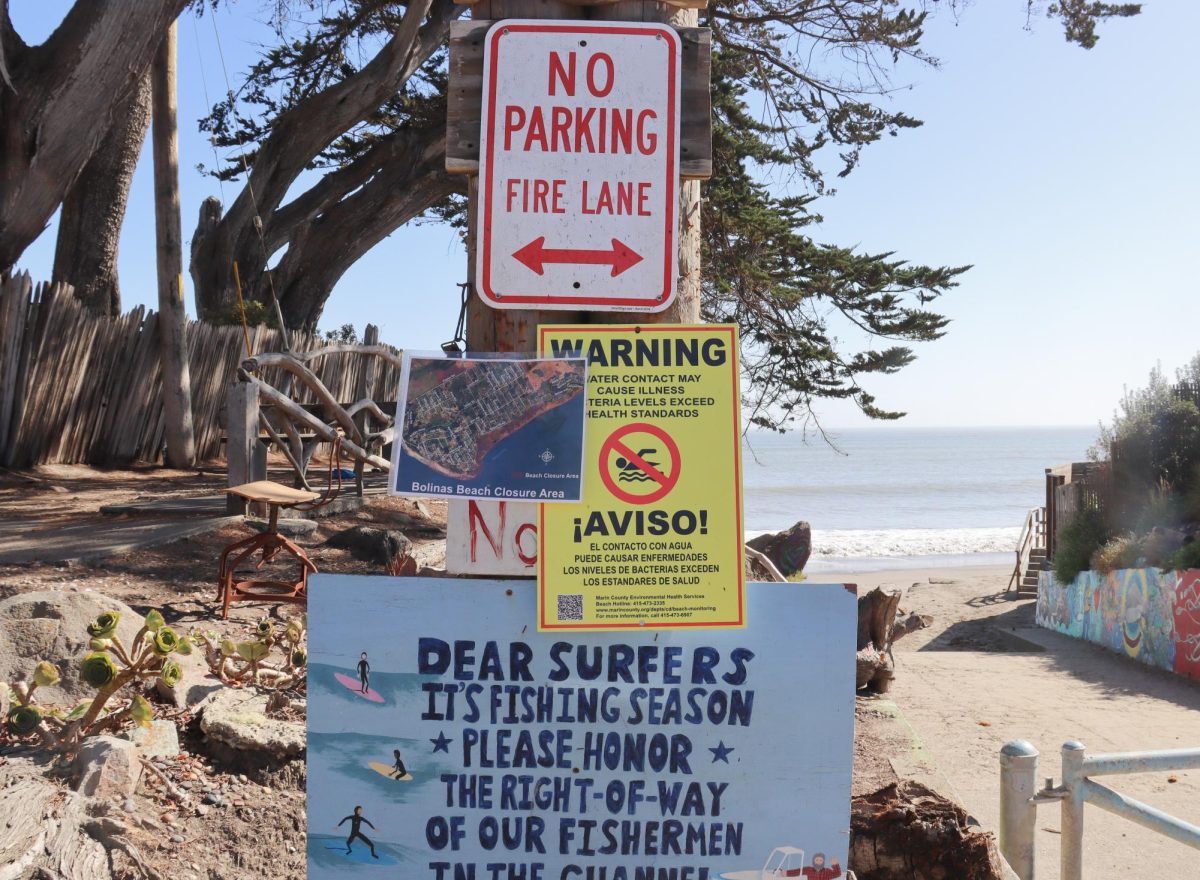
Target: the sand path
(975, 680)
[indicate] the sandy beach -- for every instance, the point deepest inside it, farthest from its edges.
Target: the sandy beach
(983, 674)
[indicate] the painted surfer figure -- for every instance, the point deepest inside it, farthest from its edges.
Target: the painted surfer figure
(356, 820)
(364, 673)
(399, 771)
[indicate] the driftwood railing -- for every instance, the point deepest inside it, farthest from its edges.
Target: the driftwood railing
(258, 408)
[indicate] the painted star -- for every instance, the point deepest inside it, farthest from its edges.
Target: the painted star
(721, 752)
(442, 743)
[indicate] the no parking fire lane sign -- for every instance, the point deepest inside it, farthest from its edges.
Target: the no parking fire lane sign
(657, 540)
(579, 166)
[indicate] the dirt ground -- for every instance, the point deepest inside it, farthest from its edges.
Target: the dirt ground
(257, 827)
(983, 674)
(979, 676)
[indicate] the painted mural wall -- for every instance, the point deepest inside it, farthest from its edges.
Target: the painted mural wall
(1150, 615)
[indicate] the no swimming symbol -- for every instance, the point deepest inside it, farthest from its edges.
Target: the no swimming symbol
(639, 463)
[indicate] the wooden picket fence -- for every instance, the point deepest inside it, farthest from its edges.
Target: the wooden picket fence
(78, 387)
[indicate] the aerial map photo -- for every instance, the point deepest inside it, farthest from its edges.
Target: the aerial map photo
(491, 428)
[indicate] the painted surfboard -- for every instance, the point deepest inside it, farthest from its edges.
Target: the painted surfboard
(353, 684)
(387, 770)
(361, 854)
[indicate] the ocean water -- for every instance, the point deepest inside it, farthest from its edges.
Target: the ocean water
(898, 497)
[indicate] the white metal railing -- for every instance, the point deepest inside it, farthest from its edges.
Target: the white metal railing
(1019, 800)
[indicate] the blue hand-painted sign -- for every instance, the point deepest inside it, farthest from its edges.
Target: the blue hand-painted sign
(448, 737)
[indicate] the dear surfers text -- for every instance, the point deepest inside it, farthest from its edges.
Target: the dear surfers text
(580, 761)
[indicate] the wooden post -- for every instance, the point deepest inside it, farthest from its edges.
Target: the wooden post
(365, 388)
(515, 330)
(686, 307)
(241, 428)
(172, 318)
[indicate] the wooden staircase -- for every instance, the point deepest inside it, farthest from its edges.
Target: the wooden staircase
(1037, 563)
(1031, 553)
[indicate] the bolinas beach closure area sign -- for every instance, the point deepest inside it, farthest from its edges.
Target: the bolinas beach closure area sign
(489, 428)
(448, 740)
(579, 166)
(657, 540)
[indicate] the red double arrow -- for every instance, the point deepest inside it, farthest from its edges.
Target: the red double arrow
(535, 255)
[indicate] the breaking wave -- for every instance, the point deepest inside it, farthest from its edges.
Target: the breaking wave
(874, 549)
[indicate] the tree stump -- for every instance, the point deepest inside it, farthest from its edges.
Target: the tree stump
(906, 830)
(880, 624)
(46, 830)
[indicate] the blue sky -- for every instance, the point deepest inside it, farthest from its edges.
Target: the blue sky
(1061, 174)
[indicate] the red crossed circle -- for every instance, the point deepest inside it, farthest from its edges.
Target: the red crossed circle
(615, 445)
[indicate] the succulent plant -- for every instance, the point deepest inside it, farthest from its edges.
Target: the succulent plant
(23, 720)
(272, 657)
(170, 673)
(252, 651)
(45, 674)
(108, 668)
(98, 669)
(105, 625)
(141, 711)
(165, 641)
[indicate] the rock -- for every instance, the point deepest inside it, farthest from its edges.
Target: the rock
(107, 768)
(292, 528)
(194, 686)
(237, 720)
(52, 626)
(159, 740)
(373, 545)
(789, 549)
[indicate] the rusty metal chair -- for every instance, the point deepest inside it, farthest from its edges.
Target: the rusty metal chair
(270, 543)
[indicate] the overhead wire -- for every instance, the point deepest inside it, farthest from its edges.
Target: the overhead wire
(212, 142)
(258, 221)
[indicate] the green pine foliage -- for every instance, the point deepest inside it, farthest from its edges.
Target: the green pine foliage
(764, 272)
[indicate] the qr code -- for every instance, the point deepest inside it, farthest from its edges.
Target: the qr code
(570, 606)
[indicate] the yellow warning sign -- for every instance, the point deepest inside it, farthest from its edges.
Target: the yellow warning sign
(657, 540)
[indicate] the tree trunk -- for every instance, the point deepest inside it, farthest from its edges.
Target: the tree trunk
(172, 319)
(61, 102)
(89, 227)
(880, 625)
